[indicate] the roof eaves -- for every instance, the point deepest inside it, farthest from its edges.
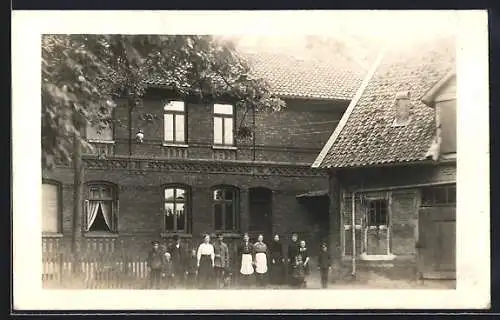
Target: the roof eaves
(429, 96)
(326, 148)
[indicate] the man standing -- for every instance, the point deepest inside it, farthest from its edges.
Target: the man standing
(324, 264)
(178, 263)
(277, 259)
(221, 262)
(155, 263)
(293, 250)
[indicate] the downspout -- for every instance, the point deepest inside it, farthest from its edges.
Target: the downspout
(353, 272)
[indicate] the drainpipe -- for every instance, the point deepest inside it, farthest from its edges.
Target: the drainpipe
(353, 273)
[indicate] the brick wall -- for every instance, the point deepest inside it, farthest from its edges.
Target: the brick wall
(295, 134)
(140, 202)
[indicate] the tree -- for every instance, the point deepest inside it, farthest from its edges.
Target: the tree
(84, 75)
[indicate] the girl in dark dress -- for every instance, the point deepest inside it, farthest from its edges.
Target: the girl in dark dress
(305, 258)
(205, 263)
(277, 259)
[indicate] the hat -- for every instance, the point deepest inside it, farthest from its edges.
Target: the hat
(155, 242)
(219, 234)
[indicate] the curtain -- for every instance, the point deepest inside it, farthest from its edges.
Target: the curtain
(92, 209)
(106, 213)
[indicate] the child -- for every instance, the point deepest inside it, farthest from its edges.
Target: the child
(298, 272)
(324, 264)
(168, 271)
(191, 270)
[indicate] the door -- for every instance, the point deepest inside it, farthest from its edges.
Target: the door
(437, 242)
(261, 213)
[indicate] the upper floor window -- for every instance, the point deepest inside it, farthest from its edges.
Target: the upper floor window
(402, 106)
(447, 117)
(51, 207)
(439, 195)
(174, 122)
(176, 209)
(99, 133)
(102, 208)
(225, 209)
(223, 124)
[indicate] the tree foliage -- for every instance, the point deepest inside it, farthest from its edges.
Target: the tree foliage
(83, 76)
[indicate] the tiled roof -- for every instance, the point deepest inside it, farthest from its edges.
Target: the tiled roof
(306, 78)
(290, 77)
(368, 138)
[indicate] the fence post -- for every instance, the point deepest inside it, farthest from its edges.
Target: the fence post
(61, 267)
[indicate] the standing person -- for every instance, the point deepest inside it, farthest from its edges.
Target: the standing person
(277, 259)
(155, 263)
(221, 264)
(245, 252)
(324, 264)
(177, 252)
(260, 249)
(293, 250)
(305, 258)
(192, 270)
(298, 273)
(205, 262)
(168, 273)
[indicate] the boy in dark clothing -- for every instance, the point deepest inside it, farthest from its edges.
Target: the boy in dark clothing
(191, 270)
(293, 249)
(155, 263)
(324, 264)
(168, 272)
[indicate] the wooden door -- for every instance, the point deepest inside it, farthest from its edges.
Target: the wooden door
(437, 242)
(261, 213)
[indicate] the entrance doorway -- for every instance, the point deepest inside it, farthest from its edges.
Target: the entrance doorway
(261, 219)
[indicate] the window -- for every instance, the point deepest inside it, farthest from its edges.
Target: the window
(176, 209)
(376, 229)
(101, 215)
(174, 120)
(51, 208)
(225, 205)
(377, 213)
(447, 112)
(223, 124)
(99, 133)
(439, 195)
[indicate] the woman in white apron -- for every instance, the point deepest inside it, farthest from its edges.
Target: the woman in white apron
(260, 249)
(245, 252)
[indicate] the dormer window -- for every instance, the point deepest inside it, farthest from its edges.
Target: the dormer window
(402, 108)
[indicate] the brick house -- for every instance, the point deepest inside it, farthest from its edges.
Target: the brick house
(392, 166)
(193, 175)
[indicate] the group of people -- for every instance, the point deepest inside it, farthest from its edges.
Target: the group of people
(208, 266)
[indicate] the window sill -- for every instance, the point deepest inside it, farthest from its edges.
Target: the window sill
(172, 234)
(369, 257)
(101, 141)
(51, 235)
(100, 235)
(228, 234)
(176, 145)
(224, 148)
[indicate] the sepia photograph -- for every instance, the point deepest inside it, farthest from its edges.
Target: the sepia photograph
(247, 162)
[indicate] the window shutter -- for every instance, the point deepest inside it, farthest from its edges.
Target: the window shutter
(50, 208)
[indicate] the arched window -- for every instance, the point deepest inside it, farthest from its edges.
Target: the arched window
(225, 209)
(176, 209)
(101, 208)
(51, 207)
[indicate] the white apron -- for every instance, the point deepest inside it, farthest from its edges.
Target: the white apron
(246, 264)
(261, 262)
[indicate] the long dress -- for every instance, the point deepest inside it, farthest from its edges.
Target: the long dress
(293, 249)
(276, 253)
(304, 255)
(260, 261)
(206, 258)
(246, 262)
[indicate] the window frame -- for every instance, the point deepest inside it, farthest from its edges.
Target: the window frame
(187, 209)
(174, 114)
(235, 204)
(432, 203)
(224, 116)
(60, 211)
(366, 227)
(114, 207)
